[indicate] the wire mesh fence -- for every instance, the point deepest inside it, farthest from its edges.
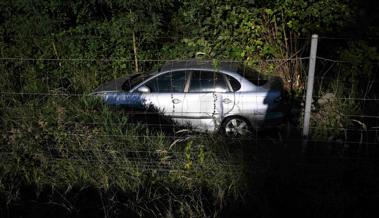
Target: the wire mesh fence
(51, 100)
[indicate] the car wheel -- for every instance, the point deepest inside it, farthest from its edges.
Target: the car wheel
(236, 127)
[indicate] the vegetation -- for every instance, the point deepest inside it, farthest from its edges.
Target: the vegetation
(53, 53)
(66, 143)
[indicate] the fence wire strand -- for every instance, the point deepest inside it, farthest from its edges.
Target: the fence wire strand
(329, 70)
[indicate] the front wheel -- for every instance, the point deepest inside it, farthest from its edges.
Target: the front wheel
(236, 127)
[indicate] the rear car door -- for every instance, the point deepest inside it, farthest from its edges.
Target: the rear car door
(207, 100)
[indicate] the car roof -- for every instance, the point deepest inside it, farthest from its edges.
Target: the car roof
(230, 66)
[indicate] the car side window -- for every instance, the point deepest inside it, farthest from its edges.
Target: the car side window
(178, 81)
(168, 82)
(234, 83)
(208, 81)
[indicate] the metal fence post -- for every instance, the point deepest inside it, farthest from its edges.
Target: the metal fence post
(311, 76)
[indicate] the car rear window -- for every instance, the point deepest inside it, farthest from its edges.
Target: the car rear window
(234, 83)
(252, 75)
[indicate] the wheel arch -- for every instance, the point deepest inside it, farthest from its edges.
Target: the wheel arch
(225, 119)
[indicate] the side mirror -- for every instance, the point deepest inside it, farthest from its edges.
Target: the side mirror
(143, 89)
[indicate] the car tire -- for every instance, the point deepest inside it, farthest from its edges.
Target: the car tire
(236, 127)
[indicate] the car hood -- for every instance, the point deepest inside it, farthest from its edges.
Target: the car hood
(114, 85)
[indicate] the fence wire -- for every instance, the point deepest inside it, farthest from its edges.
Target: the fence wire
(56, 101)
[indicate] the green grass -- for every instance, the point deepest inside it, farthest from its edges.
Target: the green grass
(64, 142)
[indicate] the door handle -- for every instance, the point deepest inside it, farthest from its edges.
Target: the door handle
(227, 101)
(176, 101)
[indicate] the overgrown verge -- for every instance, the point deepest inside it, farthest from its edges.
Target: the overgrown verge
(63, 145)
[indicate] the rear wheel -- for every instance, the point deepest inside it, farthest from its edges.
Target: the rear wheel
(236, 127)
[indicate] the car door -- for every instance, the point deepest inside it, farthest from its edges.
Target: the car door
(165, 93)
(207, 101)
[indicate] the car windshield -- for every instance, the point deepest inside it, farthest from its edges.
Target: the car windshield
(252, 75)
(133, 81)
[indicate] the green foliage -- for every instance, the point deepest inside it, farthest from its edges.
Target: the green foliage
(55, 136)
(308, 17)
(355, 80)
(66, 142)
(361, 68)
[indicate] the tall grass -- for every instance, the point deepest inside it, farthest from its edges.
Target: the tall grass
(63, 142)
(332, 112)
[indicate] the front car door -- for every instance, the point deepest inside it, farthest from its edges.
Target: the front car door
(165, 93)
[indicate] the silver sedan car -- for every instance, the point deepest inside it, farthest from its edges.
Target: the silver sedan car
(226, 97)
